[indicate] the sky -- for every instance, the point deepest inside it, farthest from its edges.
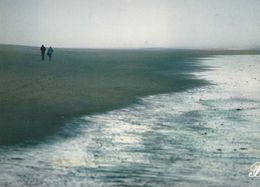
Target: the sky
(131, 23)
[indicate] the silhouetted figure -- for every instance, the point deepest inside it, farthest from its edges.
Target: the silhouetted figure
(49, 52)
(43, 49)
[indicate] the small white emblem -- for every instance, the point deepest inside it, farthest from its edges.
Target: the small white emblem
(255, 170)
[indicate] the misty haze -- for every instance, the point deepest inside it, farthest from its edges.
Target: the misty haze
(131, 23)
(129, 93)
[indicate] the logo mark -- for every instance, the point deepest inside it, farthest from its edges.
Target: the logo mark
(254, 170)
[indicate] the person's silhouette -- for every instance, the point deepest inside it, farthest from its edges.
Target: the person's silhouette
(43, 49)
(49, 52)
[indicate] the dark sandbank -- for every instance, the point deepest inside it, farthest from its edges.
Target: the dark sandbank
(37, 98)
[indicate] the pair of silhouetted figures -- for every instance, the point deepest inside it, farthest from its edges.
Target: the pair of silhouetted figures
(49, 52)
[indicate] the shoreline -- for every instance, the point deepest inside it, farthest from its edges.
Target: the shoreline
(38, 97)
(197, 134)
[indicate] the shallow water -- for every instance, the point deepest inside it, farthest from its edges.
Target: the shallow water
(206, 136)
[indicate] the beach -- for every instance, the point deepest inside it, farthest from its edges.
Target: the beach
(129, 117)
(38, 97)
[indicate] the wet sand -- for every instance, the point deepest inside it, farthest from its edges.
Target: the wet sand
(205, 136)
(38, 97)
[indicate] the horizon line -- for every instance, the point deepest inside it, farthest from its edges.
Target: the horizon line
(143, 48)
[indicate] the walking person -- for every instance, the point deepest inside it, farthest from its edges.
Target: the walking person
(49, 52)
(43, 49)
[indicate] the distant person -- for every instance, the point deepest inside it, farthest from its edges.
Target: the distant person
(43, 49)
(49, 52)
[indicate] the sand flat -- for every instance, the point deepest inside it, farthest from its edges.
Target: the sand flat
(204, 136)
(36, 97)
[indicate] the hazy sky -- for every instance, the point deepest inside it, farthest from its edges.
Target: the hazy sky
(131, 23)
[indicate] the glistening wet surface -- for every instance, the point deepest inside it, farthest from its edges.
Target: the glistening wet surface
(206, 136)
